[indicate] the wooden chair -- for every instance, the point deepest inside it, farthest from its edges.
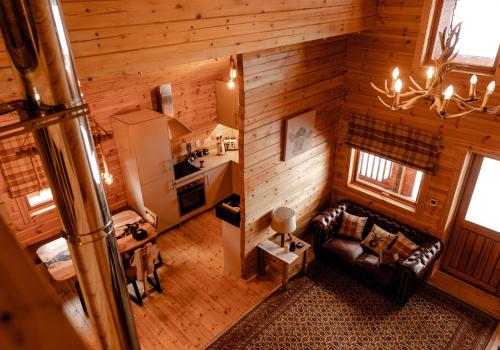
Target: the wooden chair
(142, 265)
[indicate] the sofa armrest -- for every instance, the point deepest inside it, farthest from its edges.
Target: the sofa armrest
(322, 227)
(415, 268)
(422, 259)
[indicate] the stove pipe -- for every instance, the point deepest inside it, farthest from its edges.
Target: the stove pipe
(38, 45)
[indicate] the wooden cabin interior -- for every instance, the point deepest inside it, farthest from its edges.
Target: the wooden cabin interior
(233, 174)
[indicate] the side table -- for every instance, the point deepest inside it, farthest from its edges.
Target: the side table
(288, 264)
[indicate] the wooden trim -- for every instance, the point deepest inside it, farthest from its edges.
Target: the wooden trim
(432, 22)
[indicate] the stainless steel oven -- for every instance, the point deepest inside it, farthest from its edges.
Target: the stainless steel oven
(191, 195)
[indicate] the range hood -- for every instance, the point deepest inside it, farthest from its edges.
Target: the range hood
(166, 104)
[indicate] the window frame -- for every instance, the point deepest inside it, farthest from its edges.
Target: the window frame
(429, 27)
(40, 208)
(378, 192)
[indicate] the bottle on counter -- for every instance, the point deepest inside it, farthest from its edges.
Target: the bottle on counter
(221, 149)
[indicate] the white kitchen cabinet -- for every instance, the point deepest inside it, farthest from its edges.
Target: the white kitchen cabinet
(143, 144)
(235, 175)
(218, 184)
(227, 104)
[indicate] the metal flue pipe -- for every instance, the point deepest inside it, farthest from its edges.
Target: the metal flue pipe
(42, 61)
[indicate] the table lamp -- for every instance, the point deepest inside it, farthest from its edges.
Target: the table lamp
(283, 222)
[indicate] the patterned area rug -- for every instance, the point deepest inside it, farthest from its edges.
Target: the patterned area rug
(330, 310)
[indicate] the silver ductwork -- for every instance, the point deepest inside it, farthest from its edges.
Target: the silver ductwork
(38, 46)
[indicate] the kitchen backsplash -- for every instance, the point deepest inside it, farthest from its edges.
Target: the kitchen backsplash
(206, 138)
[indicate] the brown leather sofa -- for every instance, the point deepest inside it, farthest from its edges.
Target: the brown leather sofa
(398, 280)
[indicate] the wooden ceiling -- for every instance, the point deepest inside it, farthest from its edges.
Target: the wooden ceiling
(116, 37)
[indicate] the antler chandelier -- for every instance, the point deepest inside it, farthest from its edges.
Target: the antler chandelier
(433, 90)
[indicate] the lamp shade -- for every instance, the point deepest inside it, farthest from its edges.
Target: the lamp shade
(283, 220)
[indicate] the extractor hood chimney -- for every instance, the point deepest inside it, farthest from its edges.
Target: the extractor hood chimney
(166, 102)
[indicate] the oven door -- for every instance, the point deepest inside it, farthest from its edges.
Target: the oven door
(191, 196)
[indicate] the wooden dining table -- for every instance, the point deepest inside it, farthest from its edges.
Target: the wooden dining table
(56, 258)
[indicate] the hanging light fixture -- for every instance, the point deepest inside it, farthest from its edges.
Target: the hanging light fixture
(106, 175)
(433, 90)
(231, 84)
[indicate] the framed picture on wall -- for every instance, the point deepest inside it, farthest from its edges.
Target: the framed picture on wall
(299, 134)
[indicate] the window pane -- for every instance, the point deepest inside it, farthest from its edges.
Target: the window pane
(484, 205)
(387, 176)
(41, 197)
(480, 34)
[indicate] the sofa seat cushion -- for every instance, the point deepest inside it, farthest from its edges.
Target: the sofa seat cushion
(347, 249)
(381, 273)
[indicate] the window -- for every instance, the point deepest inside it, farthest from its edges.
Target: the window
(478, 45)
(40, 202)
(386, 177)
(483, 206)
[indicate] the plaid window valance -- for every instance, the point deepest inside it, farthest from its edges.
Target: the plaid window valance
(21, 165)
(408, 146)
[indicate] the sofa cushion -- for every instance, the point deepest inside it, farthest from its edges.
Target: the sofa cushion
(403, 246)
(352, 226)
(383, 274)
(378, 239)
(347, 249)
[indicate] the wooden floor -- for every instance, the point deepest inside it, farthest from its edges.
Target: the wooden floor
(199, 299)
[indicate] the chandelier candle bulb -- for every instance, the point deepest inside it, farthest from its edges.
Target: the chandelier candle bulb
(395, 75)
(397, 92)
(489, 91)
(448, 93)
(472, 88)
(430, 75)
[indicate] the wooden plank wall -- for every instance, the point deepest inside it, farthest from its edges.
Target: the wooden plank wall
(279, 84)
(117, 37)
(371, 56)
(193, 88)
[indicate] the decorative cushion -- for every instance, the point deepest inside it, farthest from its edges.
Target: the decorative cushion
(378, 239)
(403, 246)
(346, 249)
(352, 226)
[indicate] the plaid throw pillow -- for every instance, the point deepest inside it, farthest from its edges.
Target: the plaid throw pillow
(403, 246)
(378, 239)
(352, 226)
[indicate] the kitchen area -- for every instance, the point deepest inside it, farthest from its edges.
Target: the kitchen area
(171, 170)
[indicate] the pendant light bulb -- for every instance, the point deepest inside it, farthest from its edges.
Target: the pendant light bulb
(108, 178)
(231, 84)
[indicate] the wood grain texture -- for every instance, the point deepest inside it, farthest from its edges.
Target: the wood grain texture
(115, 37)
(199, 299)
(371, 56)
(193, 87)
(279, 84)
(28, 305)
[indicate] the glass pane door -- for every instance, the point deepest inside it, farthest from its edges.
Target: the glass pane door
(484, 206)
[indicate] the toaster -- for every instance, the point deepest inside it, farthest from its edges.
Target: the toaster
(231, 144)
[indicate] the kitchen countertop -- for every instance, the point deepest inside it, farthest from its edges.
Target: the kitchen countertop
(211, 161)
